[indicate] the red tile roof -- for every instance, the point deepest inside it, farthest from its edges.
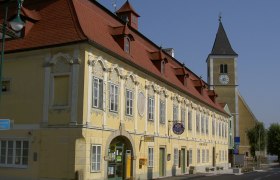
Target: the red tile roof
(127, 8)
(71, 21)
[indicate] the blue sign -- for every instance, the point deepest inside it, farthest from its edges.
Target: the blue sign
(236, 140)
(5, 124)
(178, 128)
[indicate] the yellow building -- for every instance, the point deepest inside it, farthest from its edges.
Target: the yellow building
(90, 97)
(222, 76)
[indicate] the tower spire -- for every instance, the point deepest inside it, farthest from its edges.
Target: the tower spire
(222, 45)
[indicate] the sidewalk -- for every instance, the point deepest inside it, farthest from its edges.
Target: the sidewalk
(198, 175)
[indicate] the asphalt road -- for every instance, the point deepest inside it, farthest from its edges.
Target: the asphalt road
(268, 174)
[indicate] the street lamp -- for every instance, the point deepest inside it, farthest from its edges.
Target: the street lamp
(16, 24)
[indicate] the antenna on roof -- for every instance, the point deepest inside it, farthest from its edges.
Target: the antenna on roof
(114, 4)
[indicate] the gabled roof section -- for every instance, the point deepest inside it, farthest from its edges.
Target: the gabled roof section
(127, 8)
(64, 22)
(222, 45)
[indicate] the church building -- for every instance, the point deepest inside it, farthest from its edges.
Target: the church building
(223, 78)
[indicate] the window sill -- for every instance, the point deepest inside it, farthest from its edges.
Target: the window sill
(14, 166)
(59, 107)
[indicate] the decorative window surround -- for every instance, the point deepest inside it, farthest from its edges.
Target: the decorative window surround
(52, 69)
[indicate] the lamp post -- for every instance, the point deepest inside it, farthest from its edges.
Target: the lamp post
(16, 24)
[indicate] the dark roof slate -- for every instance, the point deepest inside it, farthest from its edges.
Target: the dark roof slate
(222, 45)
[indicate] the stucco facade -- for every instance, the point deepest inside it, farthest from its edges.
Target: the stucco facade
(80, 110)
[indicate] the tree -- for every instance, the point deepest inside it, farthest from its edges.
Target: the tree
(273, 140)
(257, 136)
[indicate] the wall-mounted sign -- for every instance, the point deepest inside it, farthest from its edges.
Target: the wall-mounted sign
(178, 128)
(149, 138)
(5, 124)
(236, 140)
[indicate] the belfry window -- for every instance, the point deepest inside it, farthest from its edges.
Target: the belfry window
(223, 68)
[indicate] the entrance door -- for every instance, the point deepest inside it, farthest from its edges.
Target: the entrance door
(161, 162)
(183, 161)
(119, 159)
(214, 157)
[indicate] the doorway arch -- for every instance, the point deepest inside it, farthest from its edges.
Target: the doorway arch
(120, 150)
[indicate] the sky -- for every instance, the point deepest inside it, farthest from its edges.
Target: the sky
(190, 26)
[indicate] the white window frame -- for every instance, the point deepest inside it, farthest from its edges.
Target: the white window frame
(129, 102)
(175, 114)
(189, 120)
(176, 156)
(150, 156)
(203, 155)
(207, 155)
(114, 97)
(151, 108)
(190, 156)
(183, 116)
(198, 156)
(213, 127)
(98, 97)
(206, 125)
(96, 157)
(198, 122)
(12, 153)
(162, 111)
(202, 124)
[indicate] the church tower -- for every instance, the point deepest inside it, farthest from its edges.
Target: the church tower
(222, 74)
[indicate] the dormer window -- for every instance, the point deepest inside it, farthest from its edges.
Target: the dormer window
(127, 44)
(223, 69)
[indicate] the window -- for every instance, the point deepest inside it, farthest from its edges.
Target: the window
(96, 158)
(97, 93)
(183, 116)
(190, 120)
(126, 45)
(220, 155)
(61, 90)
(202, 123)
(197, 122)
(14, 153)
(151, 157)
(207, 155)
(162, 112)
(114, 95)
(176, 157)
(151, 108)
(207, 124)
(220, 129)
(175, 114)
(129, 102)
(6, 86)
(190, 156)
(213, 127)
(198, 156)
(203, 155)
(223, 68)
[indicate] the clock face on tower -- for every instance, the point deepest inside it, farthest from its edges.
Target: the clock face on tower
(224, 79)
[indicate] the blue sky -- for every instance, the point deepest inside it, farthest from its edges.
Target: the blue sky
(190, 26)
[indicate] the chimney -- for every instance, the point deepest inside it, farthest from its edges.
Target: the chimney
(170, 51)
